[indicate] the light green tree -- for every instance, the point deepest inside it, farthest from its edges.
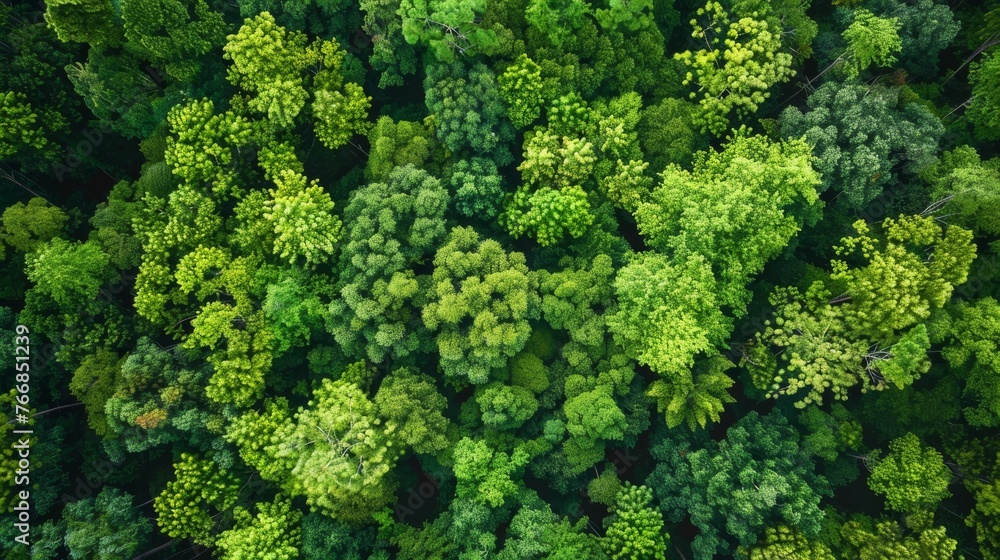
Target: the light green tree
(668, 312)
(26, 227)
(272, 534)
(339, 116)
(340, 452)
(204, 147)
(411, 401)
(912, 477)
(871, 40)
(889, 261)
(635, 531)
(984, 76)
(481, 301)
(871, 332)
(782, 543)
(188, 505)
(486, 475)
(869, 538)
(340, 109)
(257, 435)
(301, 212)
(985, 516)
(552, 203)
(695, 399)
(449, 28)
(70, 273)
(738, 208)
(268, 60)
(505, 407)
(521, 88)
(970, 333)
(734, 73)
(593, 416)
(241, 352)
(397, 144)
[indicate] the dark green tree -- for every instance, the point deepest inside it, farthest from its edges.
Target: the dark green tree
(468, 111)
(755, 478)
(392, 227)
(85, 21)
(863, 137)
(172, 34)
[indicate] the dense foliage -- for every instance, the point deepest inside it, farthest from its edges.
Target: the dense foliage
(498, 279)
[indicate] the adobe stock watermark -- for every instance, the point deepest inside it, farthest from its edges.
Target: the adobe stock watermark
(359, 42)
(94, 477)
(623, 462)
(417, 497)
(93, 137)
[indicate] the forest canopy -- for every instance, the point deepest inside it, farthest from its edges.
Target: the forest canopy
(500, 279)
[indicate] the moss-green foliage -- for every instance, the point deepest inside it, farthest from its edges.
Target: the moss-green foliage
(870, 538)
(28, 226)
(781, 542)
(871, 40)
(69, 273)
(697, 400)
(984, 77)
(970, 337)
(668, 313)
(477, 331)
(738, 208)
(412, 402)
(912, 477)
(94, 382)
(396, 144)
(521, 88)
(734, 71)
(635, 530)
(340, 453)
(188, 506)
(273, 532)
(832, 343)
